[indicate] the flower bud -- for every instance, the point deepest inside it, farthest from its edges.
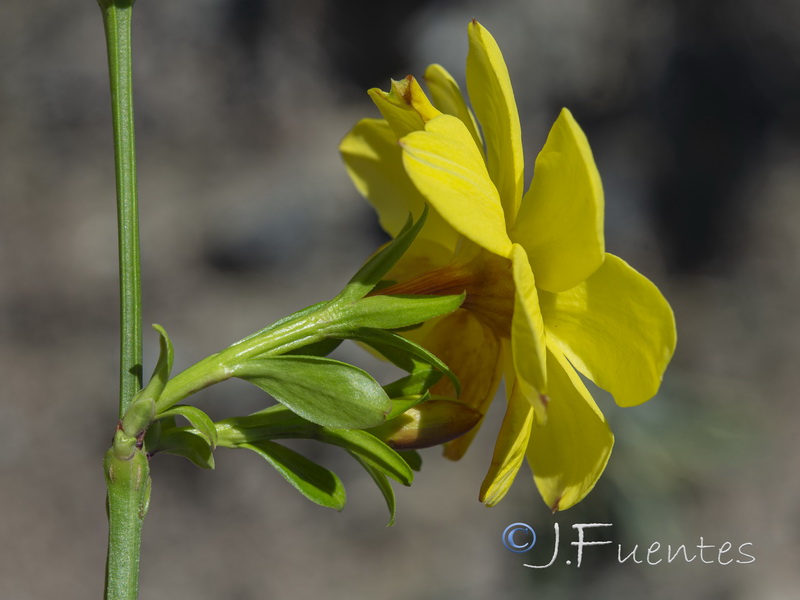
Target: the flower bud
(428, 424)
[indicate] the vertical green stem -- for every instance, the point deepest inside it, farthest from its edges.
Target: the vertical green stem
(128, 483)
(126, 467)
(117, 21)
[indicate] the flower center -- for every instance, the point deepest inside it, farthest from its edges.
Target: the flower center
(487, 280)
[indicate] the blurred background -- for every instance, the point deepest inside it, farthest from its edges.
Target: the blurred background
(693, 113)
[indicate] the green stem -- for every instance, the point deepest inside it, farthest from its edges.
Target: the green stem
(128, 483)
(126, 468)
(306, 327)
(117, 22)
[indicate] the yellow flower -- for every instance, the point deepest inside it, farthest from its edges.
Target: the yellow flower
(544, 300)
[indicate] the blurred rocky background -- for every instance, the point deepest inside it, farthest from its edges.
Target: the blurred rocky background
(693, 112)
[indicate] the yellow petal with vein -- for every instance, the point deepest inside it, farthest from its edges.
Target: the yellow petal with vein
(374, 162)
(509, 450)
(560, 222)
(492, 98)
(472, 351)
(447, 168)
(448, 98)
(528, 334)
(568, 453)
(616, 328)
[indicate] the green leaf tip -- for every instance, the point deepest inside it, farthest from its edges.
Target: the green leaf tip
(382, 261)
(313, 481)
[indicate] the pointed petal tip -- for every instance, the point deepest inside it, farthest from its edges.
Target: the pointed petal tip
(555, 507)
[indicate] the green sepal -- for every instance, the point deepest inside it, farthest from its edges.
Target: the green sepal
(198, 419)
(322, 390)
(380, 263)
(186, 443)
(403, 352)
(396, 312)
(413, 459)
(371, 450)
(383, 485)
(315, 482)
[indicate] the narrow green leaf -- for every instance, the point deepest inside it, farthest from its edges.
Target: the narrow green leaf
(412, 458)
(371, 450)
(416, 383)
(186, 443)
(163, 367)
(396, 312)
(315, 482)
(273, 423)
(199, 420)
(322, 390)
(376, 267)
(383, 485)
(142, 408)
(391, 345)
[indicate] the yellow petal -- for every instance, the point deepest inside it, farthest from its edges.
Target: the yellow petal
(492, 99)
(568, 453)
(472, 352)
(405, 107)
(447, 168)
(560, 222)
(528, 334)
(509, 450)
(448, 98)
(616, 328)
(374, 162)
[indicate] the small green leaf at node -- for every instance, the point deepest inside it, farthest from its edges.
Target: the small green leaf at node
(315, 482)
(166, 355)
(198, 419)
(142, 408)
(321, 390)
(188, 444)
